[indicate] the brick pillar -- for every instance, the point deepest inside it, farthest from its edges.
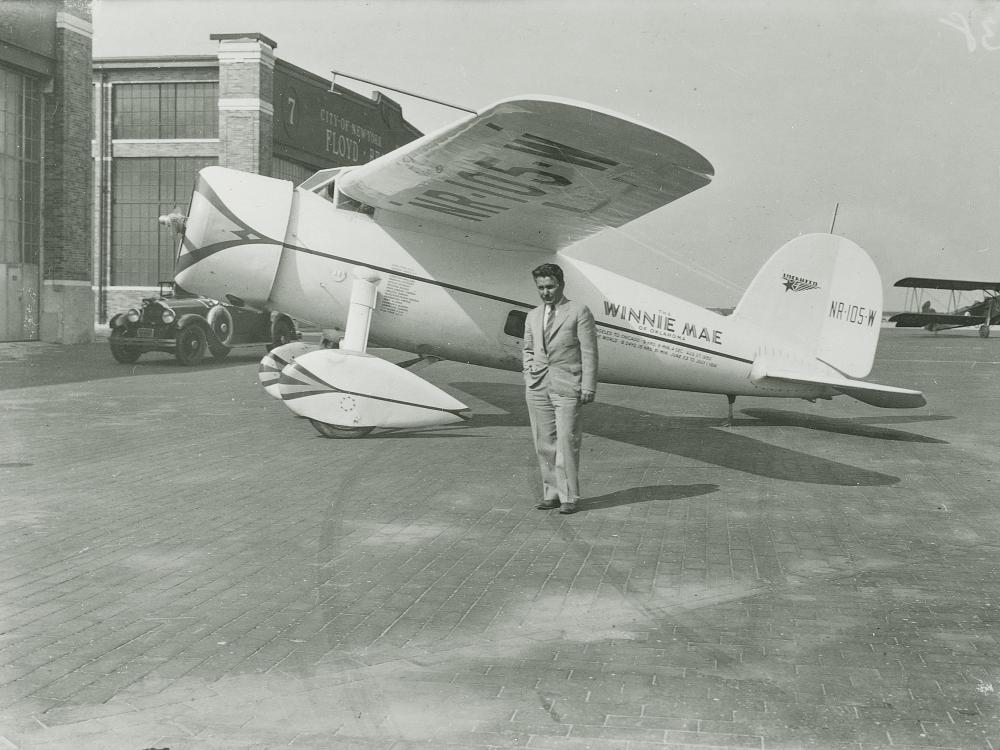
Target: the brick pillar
(246, 109)
(67, 294)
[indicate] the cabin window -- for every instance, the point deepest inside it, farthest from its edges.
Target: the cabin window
(515, 323)
(349, 204)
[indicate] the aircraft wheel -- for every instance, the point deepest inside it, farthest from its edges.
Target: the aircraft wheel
(191, 345)
(984, 331)
(335, 431)
(124, 354)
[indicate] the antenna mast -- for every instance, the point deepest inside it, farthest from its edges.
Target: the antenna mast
(832, 223)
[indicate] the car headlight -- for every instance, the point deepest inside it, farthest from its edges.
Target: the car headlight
(132, 316)
(167, 316)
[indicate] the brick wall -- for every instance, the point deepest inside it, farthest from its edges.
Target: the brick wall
(68, 175)
(66, 294)
(246, 109)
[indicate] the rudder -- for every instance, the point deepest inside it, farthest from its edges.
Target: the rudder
(823, 294)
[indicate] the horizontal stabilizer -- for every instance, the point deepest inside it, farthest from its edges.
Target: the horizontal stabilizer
(886, 396)
(351, 389)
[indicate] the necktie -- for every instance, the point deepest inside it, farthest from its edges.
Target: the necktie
(550, 311)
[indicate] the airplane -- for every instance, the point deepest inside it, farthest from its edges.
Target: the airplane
(982, 313)
(428, 249)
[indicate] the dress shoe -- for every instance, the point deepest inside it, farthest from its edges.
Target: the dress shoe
(567, 508)
(548, 505)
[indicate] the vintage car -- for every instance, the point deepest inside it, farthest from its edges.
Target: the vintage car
(188, 326)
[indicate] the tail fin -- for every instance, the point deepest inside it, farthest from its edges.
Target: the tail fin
(822, 293)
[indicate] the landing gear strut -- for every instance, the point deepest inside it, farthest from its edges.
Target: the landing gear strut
(728, 422)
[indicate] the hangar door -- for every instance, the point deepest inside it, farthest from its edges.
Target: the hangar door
(20, 205)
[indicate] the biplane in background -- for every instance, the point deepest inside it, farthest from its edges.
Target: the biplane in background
(983, 312)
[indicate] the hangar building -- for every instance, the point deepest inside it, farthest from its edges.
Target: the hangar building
(45, 171)
(92, 151)
(159, 120)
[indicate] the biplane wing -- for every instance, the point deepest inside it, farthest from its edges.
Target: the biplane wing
(919, 320)
(541, 172)
(948, 284)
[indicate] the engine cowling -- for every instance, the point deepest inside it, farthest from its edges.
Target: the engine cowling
(234, 235)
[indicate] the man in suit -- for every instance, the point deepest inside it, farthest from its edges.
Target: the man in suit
(560, 374)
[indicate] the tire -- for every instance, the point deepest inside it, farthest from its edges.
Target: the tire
(192, 341)
(219, 351)
(221, 322)
(282, 333)
(127, 355)
(333, 431)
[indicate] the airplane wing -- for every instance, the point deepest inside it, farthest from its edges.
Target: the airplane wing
(963, 286)
(538, 171)
(919, 320)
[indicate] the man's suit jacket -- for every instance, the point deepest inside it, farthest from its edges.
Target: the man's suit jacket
(570, 357)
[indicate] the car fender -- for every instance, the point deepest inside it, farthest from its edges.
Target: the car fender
(277, 317)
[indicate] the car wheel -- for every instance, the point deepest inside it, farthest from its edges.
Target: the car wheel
(192, 342)
(124, 354)
(221, 323)
(219, 351)
(334, 431)
(284, 332)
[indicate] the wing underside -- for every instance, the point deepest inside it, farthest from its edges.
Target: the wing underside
(539, 172)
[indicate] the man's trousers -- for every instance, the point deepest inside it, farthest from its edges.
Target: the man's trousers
(557, 431)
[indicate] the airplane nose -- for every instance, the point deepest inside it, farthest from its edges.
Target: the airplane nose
(234, 235)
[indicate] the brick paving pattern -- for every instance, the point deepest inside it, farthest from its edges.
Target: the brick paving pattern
(184, 564)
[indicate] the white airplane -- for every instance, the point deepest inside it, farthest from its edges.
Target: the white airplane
(428, 249)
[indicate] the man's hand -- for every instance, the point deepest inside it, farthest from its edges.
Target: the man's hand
(586, 397)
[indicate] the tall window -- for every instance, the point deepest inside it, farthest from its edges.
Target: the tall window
(166, 110)
(142, 251)
(20, 171)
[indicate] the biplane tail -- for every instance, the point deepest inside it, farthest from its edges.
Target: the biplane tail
(824, 294)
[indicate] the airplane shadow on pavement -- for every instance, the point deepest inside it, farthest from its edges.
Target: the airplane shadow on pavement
(701, 438)
(856, 426)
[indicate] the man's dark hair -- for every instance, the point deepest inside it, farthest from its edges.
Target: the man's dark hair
(549, 269)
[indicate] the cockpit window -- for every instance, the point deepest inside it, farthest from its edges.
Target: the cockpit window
(349, 204)
(514, 326)
(320, 179)
(324, 184)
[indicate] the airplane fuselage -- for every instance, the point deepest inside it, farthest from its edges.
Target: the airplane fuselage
(465, 300)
